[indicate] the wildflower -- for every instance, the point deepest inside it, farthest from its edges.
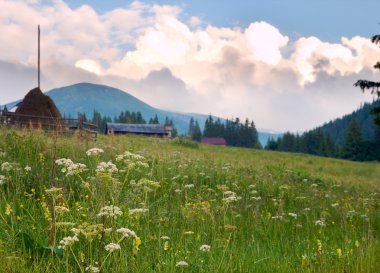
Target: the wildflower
(228, 193)
(110, 211)
(108, 167)
(335, 205)
(92, 269)
(6, 166)
(166, 245)
(189, 186)
(2, 179)
(68, 241)
(75, 168)
(136, 244)
(112, 247)
(165, 238)
(61, 209)
(178, 191)
(27, 169)
(320, 222)
(357, 243)
(181, 264)
(8, 209)
(94, 151)
(294, 215)
(53, 190)
(339, 253)
(76, 231)
(188, 232)
(137, 211)
(107, 230)
(256, 198)
(231, 199)
(205, 248)
(127, 232)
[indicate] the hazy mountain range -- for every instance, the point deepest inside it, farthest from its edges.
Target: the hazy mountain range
(109, 101)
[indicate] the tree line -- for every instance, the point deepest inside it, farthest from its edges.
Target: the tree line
(124, 117)
(318, 142)
(233, 131)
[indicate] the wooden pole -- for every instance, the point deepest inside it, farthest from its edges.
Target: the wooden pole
(39, 56)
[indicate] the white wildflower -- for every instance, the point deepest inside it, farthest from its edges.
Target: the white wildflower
(189, 186)
(229, 193)
(68, 241)
(320, 222)
(165, 238)
(92, 269)
(2, 179)
(75, 168)
(137, 211)
(112, 247)
(188, 232)
(110, 211)
(257, 198)
(106, 167)
(94, 151)
(127, 232)
(205, 248)
(181, 264)
(178, 191)
(231, 199)
(294, 215)
(76, 231)
(107, 230)
(60, 209)
(335, 205)
(27, 168)
(7, 166)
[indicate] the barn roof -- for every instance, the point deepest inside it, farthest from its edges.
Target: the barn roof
(137, 128)
(214, 140)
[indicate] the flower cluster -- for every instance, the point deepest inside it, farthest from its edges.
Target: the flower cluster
(110, 211)
(112, 247)
(137, 211)
(94, 151)
(205, 248)
(68, 241)
(69, 167)
(126, 232)
(106, 167)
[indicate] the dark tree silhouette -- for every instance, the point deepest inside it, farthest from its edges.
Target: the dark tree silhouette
(374, 87)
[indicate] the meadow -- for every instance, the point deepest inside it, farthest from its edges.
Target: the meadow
(136, 204)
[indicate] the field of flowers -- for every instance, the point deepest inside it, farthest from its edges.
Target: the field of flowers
(130, 204)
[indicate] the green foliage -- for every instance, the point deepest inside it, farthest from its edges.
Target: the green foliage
(216, 209)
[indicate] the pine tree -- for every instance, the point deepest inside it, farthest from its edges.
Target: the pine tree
(352, 141)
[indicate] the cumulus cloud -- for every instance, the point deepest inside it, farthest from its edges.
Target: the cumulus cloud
(180, 63)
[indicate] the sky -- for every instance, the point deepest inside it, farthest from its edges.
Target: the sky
(287, 65)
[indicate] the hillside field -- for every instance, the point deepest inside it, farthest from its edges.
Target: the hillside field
(139, 204)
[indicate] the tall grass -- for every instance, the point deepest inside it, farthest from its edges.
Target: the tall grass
(151, 205)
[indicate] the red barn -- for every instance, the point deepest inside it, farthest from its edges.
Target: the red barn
(214, 141)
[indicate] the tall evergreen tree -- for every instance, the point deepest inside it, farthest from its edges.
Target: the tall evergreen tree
(352, 142)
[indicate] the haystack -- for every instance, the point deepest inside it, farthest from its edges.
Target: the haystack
(36, 103)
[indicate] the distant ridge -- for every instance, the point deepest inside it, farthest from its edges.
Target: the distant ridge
(337, 128)
(109, 101)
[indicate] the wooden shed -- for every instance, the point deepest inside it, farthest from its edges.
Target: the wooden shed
(155, 130)
(214, 141)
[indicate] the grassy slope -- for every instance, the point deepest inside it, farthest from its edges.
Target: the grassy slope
(243, 235)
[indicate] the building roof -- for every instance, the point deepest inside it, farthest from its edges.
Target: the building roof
(138, 128)
(214, 141)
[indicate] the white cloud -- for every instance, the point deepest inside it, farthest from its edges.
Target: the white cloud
(161, 57)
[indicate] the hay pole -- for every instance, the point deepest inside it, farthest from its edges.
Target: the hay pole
(39, 56)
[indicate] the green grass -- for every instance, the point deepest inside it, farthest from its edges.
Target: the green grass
(258, 211)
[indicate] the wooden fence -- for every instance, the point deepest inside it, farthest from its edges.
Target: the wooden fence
(49, 124)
